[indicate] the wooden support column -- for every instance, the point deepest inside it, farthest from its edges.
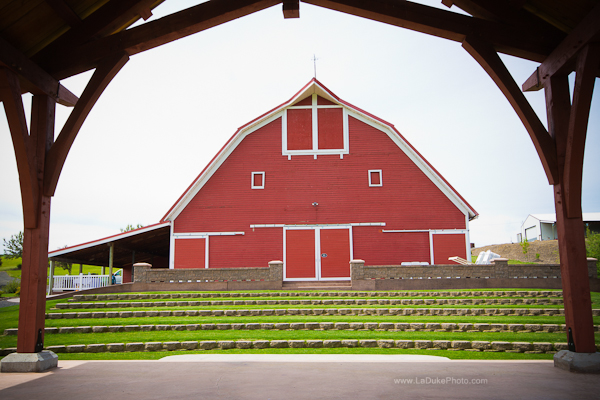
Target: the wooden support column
(567, 124)
(32, 309)
(80, 268)
(51, 278)
(111, 256)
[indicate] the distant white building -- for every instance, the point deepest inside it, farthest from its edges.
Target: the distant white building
(543, 226)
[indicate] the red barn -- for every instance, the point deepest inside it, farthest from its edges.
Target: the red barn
(317, 182)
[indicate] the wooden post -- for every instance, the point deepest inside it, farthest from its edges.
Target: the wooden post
(32, 309)
(51, 278)
(81, 268)
(111, 254)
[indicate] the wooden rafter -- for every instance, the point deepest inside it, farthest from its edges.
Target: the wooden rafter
(65, 12)
(57, 155)
(112, 16)
(562, 59)
(513, 40)
(152, 34)
(485, 55)
(291, 9)
(37, 80)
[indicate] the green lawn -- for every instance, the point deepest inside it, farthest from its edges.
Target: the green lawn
(9, 319)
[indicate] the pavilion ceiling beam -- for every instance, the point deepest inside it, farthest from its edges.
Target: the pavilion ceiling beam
(562, 59)
(153, 34)
(65, 12)
(10, 93)
(291, 9)
(57, 155)
(112, 16)
(37, 80)
(485, 55)
(521, 42)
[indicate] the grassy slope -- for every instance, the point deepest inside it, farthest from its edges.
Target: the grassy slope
(9, 317)
(10, 266)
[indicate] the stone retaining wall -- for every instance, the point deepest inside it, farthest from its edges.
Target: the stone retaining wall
(208, 303)
(498, 274)
(264, 278)
(476, 293)
(354, 326)
(315, 311)
(464, 345)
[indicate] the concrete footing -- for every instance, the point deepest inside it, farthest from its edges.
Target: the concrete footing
(577, 362)
(29, 362)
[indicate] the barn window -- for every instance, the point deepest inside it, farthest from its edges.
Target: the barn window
(375, 177)
(314, 126)
(258, 180)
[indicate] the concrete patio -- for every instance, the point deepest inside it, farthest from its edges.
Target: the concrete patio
(252, 376)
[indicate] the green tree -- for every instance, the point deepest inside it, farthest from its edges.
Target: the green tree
(13, 247)
(525, 247)
(130, 227)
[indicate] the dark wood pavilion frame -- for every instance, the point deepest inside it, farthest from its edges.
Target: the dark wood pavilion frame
(65, 37)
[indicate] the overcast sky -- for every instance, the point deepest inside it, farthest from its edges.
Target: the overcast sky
(170, 109)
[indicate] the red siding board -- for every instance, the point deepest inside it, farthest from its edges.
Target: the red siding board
(190, 253)
(408, 199)
(448, 245)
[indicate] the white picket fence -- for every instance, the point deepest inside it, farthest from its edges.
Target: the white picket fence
(80, 282)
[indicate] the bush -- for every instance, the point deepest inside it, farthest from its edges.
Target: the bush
(12, 287)
(19, 265)
(592, 246)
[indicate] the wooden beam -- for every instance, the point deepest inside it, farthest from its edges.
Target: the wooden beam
(291, 9)
(113, 15)
(65, 12)
(32, 308)
(57, 155)
(517, 41)
(561, 60)
(485, 55)
(10, 93)
(40, 81)
(152, 34)
(587, 66)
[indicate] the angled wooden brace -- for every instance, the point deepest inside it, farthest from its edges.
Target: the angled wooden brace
(487, 57)
(10, 94)
(57, 155)
(586, 69)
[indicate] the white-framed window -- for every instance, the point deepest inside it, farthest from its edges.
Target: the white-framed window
(375, 178)
(258, 180)
(315, 126)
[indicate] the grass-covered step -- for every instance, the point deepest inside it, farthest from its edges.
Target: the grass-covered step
(458, 293)
(312, 311)
(456, 345)
(308, 302)
(397, 326)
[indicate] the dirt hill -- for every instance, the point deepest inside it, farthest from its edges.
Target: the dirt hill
(547, 249)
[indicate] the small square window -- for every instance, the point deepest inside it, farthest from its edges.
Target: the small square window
(258, 180)
(375, 177)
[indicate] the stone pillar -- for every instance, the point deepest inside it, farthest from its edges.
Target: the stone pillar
(141, 272)
(500, 268)
(592, 270)
(276, 271)
(357, 270)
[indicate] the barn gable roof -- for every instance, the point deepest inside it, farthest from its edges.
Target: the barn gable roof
(316, 87)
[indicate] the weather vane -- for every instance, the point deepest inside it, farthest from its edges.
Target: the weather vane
(315, 64)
